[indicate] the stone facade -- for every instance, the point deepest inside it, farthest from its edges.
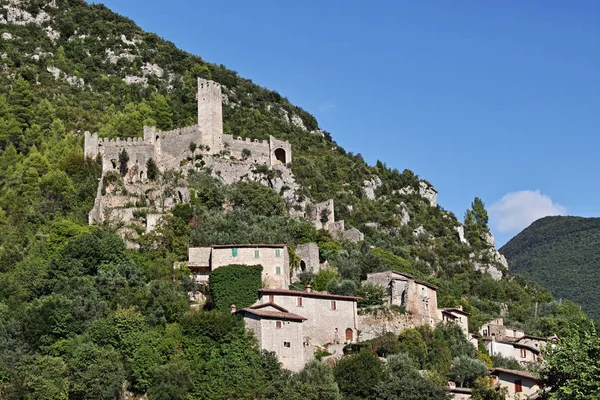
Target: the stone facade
(308, 254)
(417, 297)
(279, 331)
(273, 258)
(330, 319)
(496, 329)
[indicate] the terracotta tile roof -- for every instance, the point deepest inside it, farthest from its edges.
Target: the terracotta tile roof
(456, 310)
(307, 294)
(414, 279)
(524, 374)
(227, 246)
(279, 312)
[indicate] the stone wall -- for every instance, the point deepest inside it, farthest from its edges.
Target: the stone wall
(308, 254)
(378, 322)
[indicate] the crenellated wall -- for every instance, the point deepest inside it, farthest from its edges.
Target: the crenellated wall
(171, 150)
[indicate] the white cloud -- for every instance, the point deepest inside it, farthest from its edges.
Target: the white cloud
(517, 210)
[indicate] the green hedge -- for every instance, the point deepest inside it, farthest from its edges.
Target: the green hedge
(235, 284)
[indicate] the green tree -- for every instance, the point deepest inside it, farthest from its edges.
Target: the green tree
(358, 375)
(152, 169)
(257, 198)
(21, 100)
(572, 365)
(411, 342)
(45, 378)
(123, 160)
(465, 370)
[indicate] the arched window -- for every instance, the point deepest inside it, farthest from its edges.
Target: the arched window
(280, 155)
(302, 266)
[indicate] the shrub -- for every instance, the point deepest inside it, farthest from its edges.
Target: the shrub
(152, 169)
(235, 284)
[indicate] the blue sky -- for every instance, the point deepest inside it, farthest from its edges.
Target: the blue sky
(499, 100)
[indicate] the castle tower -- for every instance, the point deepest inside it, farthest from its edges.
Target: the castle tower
(210, 114)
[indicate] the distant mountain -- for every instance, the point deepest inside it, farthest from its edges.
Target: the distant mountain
(563, 255)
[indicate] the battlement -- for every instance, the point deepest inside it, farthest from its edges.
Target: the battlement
(151, 135)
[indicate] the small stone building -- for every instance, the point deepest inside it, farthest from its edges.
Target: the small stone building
(274, 259)
(455, 315)
(277, 330)
(520, 384)
(495, 328)
(524, 354)
(417, 297)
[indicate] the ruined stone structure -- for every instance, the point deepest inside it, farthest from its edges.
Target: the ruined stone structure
(417, 297)
(168, 149)
(274, 258)
(323, 217)
(308, 254)
(202, 145)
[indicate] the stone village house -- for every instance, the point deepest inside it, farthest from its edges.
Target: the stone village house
(512, 342)
(294, 324)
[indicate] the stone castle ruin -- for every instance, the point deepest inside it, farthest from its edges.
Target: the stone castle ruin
(134, 203)
(167, 148)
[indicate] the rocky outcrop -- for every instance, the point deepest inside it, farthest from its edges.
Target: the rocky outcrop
(460, 230)
(427, 192)
(370, 186)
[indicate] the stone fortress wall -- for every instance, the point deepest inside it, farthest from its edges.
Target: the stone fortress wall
(169, 149)
(172, 150)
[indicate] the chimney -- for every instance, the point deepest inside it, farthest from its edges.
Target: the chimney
(233, 308)
(308, 288)
(459, 307)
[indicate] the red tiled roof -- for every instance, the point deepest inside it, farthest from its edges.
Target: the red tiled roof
(409, 276)
(281, 313)
(227, 246)
(456, 310)
(523, 374)
(307, 294)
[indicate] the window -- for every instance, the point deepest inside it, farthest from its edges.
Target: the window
(333, 305)
(518, 386)
(278, 270)
(299, 302)
(523, 353)
(256, 253)
(287, 344)
(234, 252)
(277, 252)
(278, 324)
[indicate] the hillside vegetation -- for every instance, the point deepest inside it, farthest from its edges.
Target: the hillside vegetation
(83, 317)
(563, 255)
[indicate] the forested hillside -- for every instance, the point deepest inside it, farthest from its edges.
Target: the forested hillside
(83, 317)
(563, 255)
